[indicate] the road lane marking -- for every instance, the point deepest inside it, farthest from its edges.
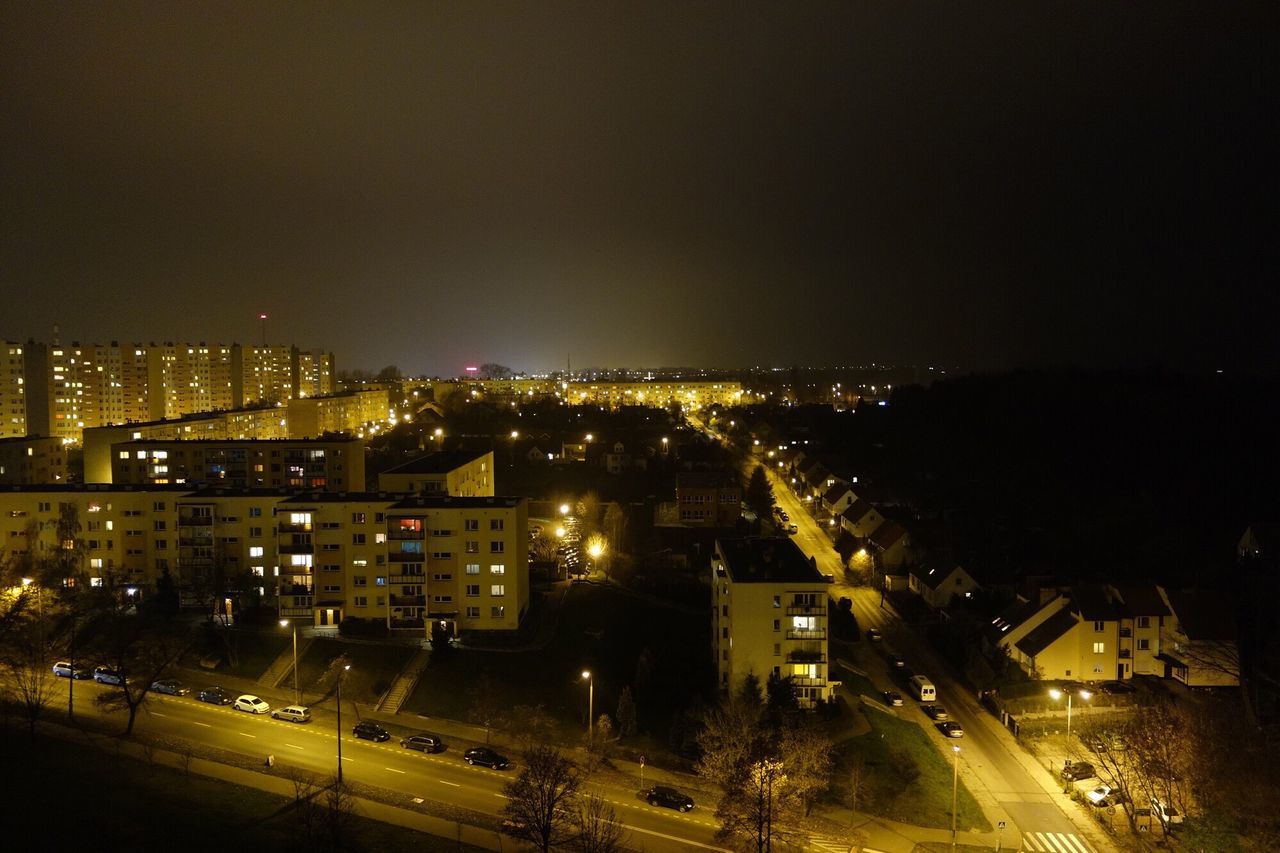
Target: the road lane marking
(291, 746)
(245, 734)
(194, 723)
(676, 838)
(453, 784)
(393, 770)
(158, 714)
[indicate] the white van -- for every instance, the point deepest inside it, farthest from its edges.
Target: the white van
(923, 689)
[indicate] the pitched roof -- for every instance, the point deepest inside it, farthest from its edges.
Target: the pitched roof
(817, 474)
(1093, 604)
(1011, 617)
(707, 480)
(1047, 632)
(1203, 614)
(767, 559)
(836, 492)
(858, 510)
(441, 462)
(934, 576)
(887, 535)
(1141, 600)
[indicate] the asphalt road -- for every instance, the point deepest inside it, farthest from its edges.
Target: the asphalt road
(986, 760)
(443, 777)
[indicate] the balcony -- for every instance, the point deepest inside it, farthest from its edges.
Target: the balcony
(292, 548)
(195, 542)
(407, 579)
(406, 624)
(408, 601)
(1125, 654)
(806, 656)
(196, 562)
(807, 609)
(195, 521)
(406, 557)
(293, 528)
(806, 681)
(406, 535)
(809, 634)
(296, 611)
(1126, 632)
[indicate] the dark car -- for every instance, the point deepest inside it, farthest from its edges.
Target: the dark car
(424, 742)
(486, 757)
(169, 687)
(892, 697)
(661, 795)
(1116, 687)
(951, 729)
(873, 634)
(937, 713)
(215, 696)
(370, 731)
(897, 661)
(1077, 770)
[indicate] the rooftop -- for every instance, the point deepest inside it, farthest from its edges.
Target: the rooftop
(767, 559)
(441, 462)
(236, 442)
(1047, 632)
(707, 480)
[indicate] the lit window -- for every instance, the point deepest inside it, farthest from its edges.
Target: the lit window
(1099, 648)
(255, 551)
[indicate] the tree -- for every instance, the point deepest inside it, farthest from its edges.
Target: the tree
(857, 775)
(730, 741)
(141, 650)
(626, 713)
(781, 705)
(540, 799)
(752, 815)
(1161, 756)
(598, 827)
(806, 755)
(615, 524)
(486, 704)
(759, 494)
(495, 371)
(30, 677)
(543, 548)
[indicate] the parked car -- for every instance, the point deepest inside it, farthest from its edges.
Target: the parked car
(215, 696)
(783, 515)
(951, 729)
(170, 687)
(892, 697)
(250, 703)
(486, 757)
(63, 669)
(292, 714)
(1074, 771)
(1167, 814)
(1116, 687)
(661, 795)
(1100, 796)
(897, 662)
(106, 675)
(424, 742)
(873, 634)
(791, 528)
(937, 713)
(370, 730)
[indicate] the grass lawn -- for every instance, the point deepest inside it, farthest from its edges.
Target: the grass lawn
(601, 629)
(254, 651)
(373, 668)
(111, 803)
(860, 684)
(906, 778)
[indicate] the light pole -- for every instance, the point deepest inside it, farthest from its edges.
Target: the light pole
(340, 674)
(297, 696)
(955, 785)
(1057, 694)
(591, 704)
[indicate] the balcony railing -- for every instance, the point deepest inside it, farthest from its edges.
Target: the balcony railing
(295, 611)
(794, 609)
(806, 681)
(292, 548)
(284, 527)
(195, 520)
(407, 579)
(408, 601)
(1126, 632)
(807, 634)
(806, 657)
(196, 562)
(195, 542)
(406, 624)
(1125, 654)
(406, 557)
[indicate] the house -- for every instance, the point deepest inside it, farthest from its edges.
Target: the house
(940, 586)
(838, 498)
(536, 454)
(617, 459)
(891, 545)
(1142, 611)
(1198, 640)
(709, 498)
(860, 518)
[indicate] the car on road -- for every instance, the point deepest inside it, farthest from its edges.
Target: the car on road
(791, 528)
(424, 742)
(370, 730)
(661, 795)
(1100, 796)
(937, 713)
(1075, 771)
(783, 515)
(251, 704)
(950, 729)
(292, 714)
(486, 757)
(1116, 687)
(106, 675)
(892, 697)
(897, 662)
(215, 696)
(874, 635)
(170, 687)
(63, 669)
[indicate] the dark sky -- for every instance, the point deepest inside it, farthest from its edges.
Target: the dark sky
(430, 185)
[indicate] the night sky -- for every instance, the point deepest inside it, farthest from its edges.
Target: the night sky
(713, 184)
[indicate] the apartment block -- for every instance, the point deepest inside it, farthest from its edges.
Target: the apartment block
(769, 611)
(321, 556)
(261, 374)
(658, 394)
(709, 499)
(32, 459)
(362, 412)
(312, 373)
(335, 464)
(13, 397)
(461, 473)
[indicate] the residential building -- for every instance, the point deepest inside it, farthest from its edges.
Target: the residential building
(363, 412)
(838, 498)
(769, 615)
(32, 459)
(709, 498)
(261, 374)
(860, 518)
(313, 374)
(1198, 642)
(891, 545)
(13, 397)
(461, 473)
(939, 585)
(331, 464)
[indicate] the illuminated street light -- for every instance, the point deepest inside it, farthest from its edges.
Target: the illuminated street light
(344, 670)
(1057, 694)
(297, 698)
(564, 509)
(591, 703)
(595, 550)
(559, 532)
(590, 437)
(955, 785)
(515, 434)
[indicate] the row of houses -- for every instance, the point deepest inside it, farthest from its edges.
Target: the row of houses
(885, 541)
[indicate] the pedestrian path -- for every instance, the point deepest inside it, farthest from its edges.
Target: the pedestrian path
(1055, 842)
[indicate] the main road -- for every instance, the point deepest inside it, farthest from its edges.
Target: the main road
(442, 777)
(988, 758)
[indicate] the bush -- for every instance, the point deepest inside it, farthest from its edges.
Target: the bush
(355, 627)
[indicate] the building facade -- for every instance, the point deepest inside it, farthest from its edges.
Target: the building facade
(769, 615)
(332, 464)
(462, 473)
(33, 459)
(708, 499)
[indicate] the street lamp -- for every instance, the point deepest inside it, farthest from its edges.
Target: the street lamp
(297, 697)
(564, 509)
(340, 674)
(559, 532)
(955, 785)
(1057, 694)
(591, 703)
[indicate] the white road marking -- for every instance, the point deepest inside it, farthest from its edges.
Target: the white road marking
(393, 770)
(344, 758)
(291, 746)
(158, 714)
(452, 784)
(675, 838)
(245, 734)
(206, 725)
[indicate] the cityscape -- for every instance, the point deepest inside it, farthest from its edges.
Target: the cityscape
(667, 427)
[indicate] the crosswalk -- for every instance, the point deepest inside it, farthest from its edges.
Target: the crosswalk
(826, 845)
(1055, 842)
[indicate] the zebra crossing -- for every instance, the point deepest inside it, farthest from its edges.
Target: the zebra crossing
(1055, 842)
(826, 845)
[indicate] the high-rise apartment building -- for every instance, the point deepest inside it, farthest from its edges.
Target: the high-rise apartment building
(13, 397)
(335, 464)
(312, 373)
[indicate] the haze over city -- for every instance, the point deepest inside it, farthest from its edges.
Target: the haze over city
(434, 185)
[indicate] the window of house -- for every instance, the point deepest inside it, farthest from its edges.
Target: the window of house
(357, 538)
(473, 590)
(1144, 645)
(497, 589)
(473, 547)
(495, 524)
(1099, 626)
(442, 576)
(497, 569)
(442, 555)
(473, 612)
(1144, 621)
(777, 601)
(497, 612)
(362, 601)
(159, 525)
(1099, 648)
(471, 524)
(255, 531)
(255, 512)
(357, 518)
(473, 568)
(255, 551)
(777, 624)
(497, 547)
(442, 599)
(360, 580)
(777, 648)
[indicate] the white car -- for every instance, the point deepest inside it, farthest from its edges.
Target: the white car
(1100, 795)
(252, 704)
(1167, 814)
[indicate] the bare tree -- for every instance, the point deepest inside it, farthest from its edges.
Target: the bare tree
(31, 679)
(598, 827)
(486, 705)
(857, 776)
(1160, 756)
(141, 650)
(755, 814)
(806, 755)
(540, 798)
